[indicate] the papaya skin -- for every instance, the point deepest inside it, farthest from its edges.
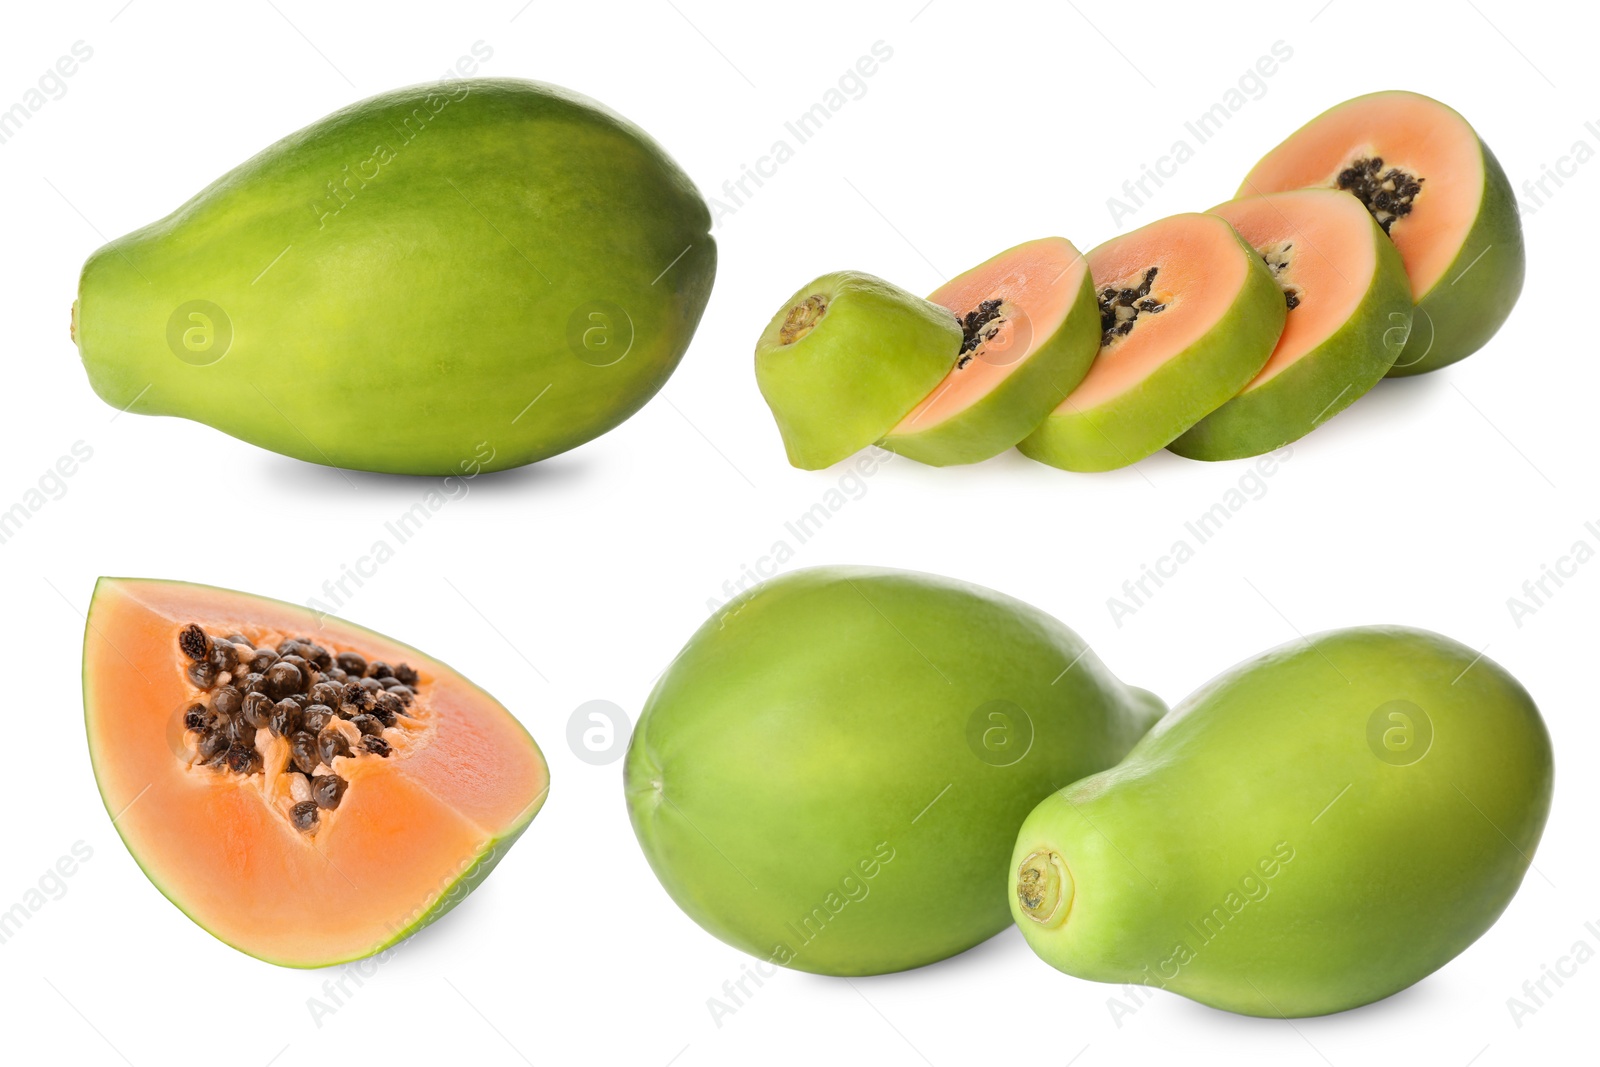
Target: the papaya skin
(827, 750)
(845, 359)
(1469, 304)
(1314, 830)
(443, 279)
(1016, 407)
(1322, 382)
(1184, 389)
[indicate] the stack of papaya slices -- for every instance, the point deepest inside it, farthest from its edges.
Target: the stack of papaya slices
(1380, 239)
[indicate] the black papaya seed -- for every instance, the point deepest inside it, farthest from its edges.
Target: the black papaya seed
(284, 679)
(243, 760)
(368, 724)
(226, 700)
(325, 693)
(304, 815)
(330, 744)
(317, 717)
(327, 790)
(303, 752)
(202, 674)
(257, 709)
(193, 642)
(285, 718)
(212, 743)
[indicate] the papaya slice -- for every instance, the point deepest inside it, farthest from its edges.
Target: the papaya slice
(1349, 316)
(844, 360)
(1189, 313)
(307, 800)
(1440, 194)
(1030, 330)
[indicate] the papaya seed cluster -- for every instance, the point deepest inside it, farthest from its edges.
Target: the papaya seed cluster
(324, 704)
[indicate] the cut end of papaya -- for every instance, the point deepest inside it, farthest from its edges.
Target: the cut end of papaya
(308, 791)
(845, 359)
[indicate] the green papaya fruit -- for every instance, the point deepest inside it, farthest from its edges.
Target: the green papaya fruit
(446, 278)
(1314, 830)
(831, 773)
(845, 359)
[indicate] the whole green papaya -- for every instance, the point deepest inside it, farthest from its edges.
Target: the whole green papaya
(447, 278)
(1315, 829)
(831, 773)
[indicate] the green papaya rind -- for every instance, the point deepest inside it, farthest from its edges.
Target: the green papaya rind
(1322, 382)
(863, 352)
(822, 752)
(1183, 390)
(1019, 404)
(512, 271)
(1474, 297)
(1314, 830)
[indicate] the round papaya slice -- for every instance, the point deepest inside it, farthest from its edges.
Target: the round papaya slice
(1349, 314)
(1189, 313)
(1437, 190)
(1030, 330)
(308, 791)
(844, 360)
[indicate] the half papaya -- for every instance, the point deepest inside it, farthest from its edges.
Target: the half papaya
(307, 800)
(1437, 190)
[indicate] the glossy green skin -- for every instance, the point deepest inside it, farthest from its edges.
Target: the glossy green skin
(1321, 383)
(1474, 297)
(410, 322)
(869, 359)
(811, 743)
(1017, 406)
(1338, 877)
(1183, 390)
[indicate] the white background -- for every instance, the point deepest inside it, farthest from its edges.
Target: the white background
(1429, 503)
